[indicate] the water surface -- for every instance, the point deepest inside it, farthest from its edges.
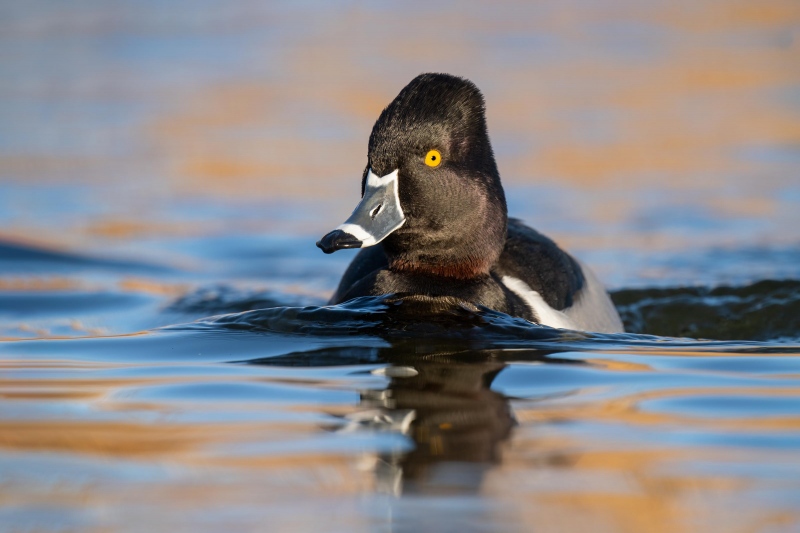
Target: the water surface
(167, 361)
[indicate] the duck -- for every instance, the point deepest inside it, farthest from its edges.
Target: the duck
(432, 223)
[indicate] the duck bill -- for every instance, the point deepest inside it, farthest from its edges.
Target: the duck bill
(375, 217)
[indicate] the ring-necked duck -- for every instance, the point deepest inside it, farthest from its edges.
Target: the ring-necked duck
(434, 224)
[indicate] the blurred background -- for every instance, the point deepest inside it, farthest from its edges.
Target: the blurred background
(161, 162)
(660, 141)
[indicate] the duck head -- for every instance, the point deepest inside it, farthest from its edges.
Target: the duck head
(431, 192)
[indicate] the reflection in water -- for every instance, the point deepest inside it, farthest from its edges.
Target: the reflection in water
(441, 398)
(151, 150)
(453, 416)
(639, 439)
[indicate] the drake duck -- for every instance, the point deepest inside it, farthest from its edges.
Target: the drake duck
(433, 221)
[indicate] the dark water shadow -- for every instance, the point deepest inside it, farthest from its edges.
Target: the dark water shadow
(395, 317)
(767, 309)
(27, 258)
(224, 299)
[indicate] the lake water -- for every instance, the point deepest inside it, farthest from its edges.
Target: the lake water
(167, 362)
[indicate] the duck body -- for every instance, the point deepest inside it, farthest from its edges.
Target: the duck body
(433, 222)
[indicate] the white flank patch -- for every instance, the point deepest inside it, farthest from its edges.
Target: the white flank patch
(592, 309)
(359, 233)
(546, 314)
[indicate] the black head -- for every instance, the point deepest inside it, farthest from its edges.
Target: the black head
(455, 210)
(451, 200)
(433, 111)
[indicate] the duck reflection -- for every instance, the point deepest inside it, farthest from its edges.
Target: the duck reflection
(455, 419)
(441, 398)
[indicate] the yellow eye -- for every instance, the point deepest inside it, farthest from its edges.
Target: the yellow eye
(433, 158)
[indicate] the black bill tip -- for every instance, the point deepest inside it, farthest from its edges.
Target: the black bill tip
(337, 240)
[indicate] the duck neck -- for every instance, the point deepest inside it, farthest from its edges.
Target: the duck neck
(467, 251)
(465, 269)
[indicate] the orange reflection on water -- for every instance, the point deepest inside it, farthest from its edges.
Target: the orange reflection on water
(628, 410)
(547, 475)
(616, 97)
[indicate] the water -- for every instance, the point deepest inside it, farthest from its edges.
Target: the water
(126, 406)
(167, 361)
